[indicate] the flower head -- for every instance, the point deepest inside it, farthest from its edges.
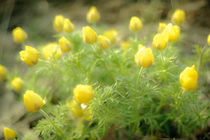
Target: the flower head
(93, 15)
(19, 35)
(9, 133)
(173, 32)
(103, 42)
(30, 56)
(208, 40)
(51, 50)
(75, 108)
(32, 101)
(124, 45)
(89, 35)
(83, 93)
(178, 16)
(68, 26)
(65, 45)
(144, 57)
(161, 27)
(135, 24)
(189, 78)
(111, 35)
(17, 84)
(160, 41)
(58, 23)
(3, 73)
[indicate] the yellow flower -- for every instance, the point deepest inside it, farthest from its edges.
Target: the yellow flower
(17, 84)
(103, 42)
(65, 45)
(160, 41)
(32, 101)
(161, 27)
(9, 133)
(3, 73)
(51, 50)
(208, 39)
(178, 16)
(93, 15)
(189, 78)
(135, 24)
(30, 56)
(89, 35)
(19, 35)
(172, 31)
(88, 114)
(111, 35)
(58, 23)
(68, 26)
(83, 93)
(75, 108)
(144, 57)
(125, 45)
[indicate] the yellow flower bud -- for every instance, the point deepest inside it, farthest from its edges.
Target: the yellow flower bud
(65, 45)
(178, 16)
(103, 42)
(124, 45)
(172, 31)
(83, 93)
(75, 108)
(135, 24)
(189, 78)
(58, 23)
(68, 26)
(144, 57)
(160, 41)
(19, 35)
(89, 35)
(111, 35)
(93, 15)
(51, 50)
(161, 27)
(208, 40)
(88, 114)
(17, 84)
(32, 101)
(9, 133)
(3, 73)
(30, 56)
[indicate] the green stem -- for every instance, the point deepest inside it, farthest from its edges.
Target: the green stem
(60, 132)
(161, 56)
(201, 58)
(139, 76)
(136, 37)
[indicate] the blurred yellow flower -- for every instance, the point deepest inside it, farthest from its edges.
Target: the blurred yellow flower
(30, 56)
(208, 40)
(111, 35)
(51, 50)
(189, 78)
(89, 35)
(19, 35)
(135, 24)
(160, 41)
(32, 101)
(144, 57)
(140, 46)
(65, 45)
(178, 16)
(103, 42)
(68, 26)
(9, 133)
(3, 73)
(58, 23)
(83, 93)
(161, 27)
(173, 32)
(88, 114)
(93, 15)
(124, 45)
(75, 108)
(17, 84)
